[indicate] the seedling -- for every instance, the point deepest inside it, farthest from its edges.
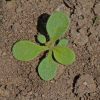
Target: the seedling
(58, 52)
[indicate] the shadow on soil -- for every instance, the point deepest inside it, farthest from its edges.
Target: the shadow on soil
(41, 26)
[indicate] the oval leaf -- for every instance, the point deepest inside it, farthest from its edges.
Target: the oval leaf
(41, 38)
(57, 25)
(25, 50)
(64, 55)
(47, 68)
(63, 42)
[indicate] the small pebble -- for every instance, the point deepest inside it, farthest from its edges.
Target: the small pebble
(85, 83)
(4, 54)
(52, 81)
(43, 95)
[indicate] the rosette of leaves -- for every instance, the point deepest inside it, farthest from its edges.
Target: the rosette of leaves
(58, 53)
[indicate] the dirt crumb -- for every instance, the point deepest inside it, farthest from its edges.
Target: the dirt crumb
(85, 85)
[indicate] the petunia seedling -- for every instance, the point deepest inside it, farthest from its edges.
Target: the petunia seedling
(58, 52)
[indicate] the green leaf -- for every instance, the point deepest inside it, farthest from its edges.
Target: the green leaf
(41, 38)
(47, 68)
(64, 55)
(25, 50)
(63, 42)
(57, 25)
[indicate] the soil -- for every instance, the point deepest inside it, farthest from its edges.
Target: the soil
(79, 81)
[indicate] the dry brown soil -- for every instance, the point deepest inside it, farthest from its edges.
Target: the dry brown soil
(79, 81)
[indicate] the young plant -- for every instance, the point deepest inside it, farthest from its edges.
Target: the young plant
(58, 52)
